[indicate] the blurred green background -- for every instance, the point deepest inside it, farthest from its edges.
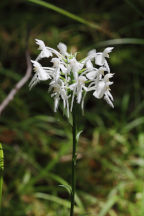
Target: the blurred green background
(37, 142)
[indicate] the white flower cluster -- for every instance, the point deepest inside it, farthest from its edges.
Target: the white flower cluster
(71, 79)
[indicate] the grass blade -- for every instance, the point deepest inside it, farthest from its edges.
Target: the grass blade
(72, 16)
(132, 5)
(108, 206)
(55, 199)
(121, 41)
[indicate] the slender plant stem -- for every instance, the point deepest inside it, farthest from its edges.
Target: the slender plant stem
(1, 172)
(74, 156)
(1, 183)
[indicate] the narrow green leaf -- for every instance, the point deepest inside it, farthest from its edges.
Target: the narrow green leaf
(57, 200)
(71, 15)
(133, 124)
(78, 135)
(67, 187)
(108, 206)
(121, 41)
(132, 5)
(1, 158)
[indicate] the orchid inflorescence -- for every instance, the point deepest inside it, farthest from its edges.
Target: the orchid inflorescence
(70, 79)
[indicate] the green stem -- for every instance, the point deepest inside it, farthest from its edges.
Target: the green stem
(1, 172)
(1, 183)
(74, 156)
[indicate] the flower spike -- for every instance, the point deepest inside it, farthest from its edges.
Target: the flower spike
(71, 79)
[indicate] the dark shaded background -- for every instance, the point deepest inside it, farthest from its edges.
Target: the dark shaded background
(37, 142)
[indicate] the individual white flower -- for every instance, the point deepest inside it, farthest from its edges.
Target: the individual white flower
(75, 67)
(102, 89)
(41, 44)
(100, 58)
(92, 54)
(80, 87)
(77, 89)
(59, 67)
(90, 57)
(108, 76)
(59, 90)
(107, 51)
(45, 52)
(62, 48)
(96, 78)
(41, 74)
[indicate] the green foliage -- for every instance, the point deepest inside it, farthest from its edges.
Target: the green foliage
(64, 12)
(38, 143)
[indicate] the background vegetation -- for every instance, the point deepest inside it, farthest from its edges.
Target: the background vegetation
(37, 142)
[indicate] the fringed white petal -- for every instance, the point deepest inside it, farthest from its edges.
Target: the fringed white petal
(107, 99)
(34, 81)
(56, 103)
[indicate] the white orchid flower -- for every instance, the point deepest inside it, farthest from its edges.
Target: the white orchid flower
(77, 89)
(72, 79)
(102, 89)
(75, 67)
(101, 58)
(95, 75)
(59, 67)
(63, 49)
(59, 90)
(92, 54)
(41, 74)
(45, 52)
